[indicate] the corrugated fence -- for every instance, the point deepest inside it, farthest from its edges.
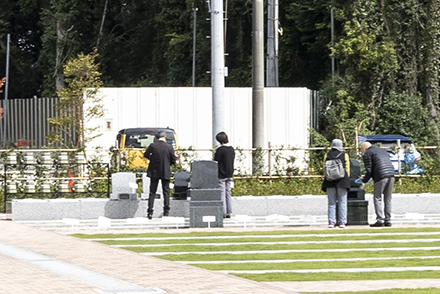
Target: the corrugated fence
(24, 122)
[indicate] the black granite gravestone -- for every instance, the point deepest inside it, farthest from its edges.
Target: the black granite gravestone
(181, 183)
(204, 174)
(357, 206)
(206, 206)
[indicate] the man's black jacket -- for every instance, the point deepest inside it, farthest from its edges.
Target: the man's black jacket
(161, 156)
(377, 164)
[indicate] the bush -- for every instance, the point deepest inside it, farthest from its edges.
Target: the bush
(312, 186)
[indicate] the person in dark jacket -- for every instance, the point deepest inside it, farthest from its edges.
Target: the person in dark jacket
(225, 156)
(161, 156)
(378, 166)
(337, 190)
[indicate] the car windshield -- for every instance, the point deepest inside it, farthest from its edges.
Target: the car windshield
(142, 138)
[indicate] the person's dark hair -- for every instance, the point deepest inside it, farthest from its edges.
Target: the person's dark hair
(160, 134)
(222, 138)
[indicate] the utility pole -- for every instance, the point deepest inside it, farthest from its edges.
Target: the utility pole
(5, 107)
(257, 74)
(217, 68)
(272, 44)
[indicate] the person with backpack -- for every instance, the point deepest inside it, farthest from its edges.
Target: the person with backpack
(336, 184)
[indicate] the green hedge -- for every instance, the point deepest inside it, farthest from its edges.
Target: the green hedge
(312, 186)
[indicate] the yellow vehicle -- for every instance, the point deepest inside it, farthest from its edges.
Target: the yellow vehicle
(134, 141)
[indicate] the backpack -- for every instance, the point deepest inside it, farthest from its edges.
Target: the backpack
(334, 169)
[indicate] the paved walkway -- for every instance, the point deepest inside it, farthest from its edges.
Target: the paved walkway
(40, 261)
(73, 260)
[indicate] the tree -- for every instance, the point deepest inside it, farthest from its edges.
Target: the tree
(69, 28)
(304, 52)
(20, 19)
(368, 56)
(79, 102)
(406, 115)
(389, 55)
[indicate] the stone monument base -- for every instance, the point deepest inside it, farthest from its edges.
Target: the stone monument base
(357, 212)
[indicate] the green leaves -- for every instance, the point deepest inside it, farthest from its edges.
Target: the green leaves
(79, 101)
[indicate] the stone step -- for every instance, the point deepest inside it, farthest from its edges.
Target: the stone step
(233, 222)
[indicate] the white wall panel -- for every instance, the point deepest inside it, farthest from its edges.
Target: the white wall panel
(189, 112)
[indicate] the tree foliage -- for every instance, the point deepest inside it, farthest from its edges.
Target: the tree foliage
(387, 52)
(79, 101)
(388, 56)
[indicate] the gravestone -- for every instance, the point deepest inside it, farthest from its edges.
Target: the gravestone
(204, 174)
(181, 183)
(357, 206)
(158, 202)
(124, 186)
(205, 195)
(146, 188)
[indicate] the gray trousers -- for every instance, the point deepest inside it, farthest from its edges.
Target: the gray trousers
(383, 187)
(225, 186)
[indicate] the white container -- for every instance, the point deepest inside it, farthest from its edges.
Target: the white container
(46, 158)
(79, 158)
(29, 187)
(11, 188)
(11, 158)
(45, 187)
(63, 158)
(79, 187)
(63, 186)
(29, 158)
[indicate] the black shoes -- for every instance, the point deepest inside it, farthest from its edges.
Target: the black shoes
(150, 216)
(166, 213)
(381, 224)
(378, 224)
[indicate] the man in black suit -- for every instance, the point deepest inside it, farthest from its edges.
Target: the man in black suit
(161, 156)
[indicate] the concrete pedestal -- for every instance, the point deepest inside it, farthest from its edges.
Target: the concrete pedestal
(357, 213)
(198, 210)
(357, 207)
(205, 203)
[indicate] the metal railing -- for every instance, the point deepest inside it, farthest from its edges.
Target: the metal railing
(274, 163)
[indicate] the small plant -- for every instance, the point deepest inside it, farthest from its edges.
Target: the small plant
(258, 162)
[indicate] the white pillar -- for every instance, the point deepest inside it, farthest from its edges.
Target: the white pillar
(257, 74)
(217, 69)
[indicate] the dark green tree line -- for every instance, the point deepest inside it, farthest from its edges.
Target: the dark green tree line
(149, 43)
(387, 53)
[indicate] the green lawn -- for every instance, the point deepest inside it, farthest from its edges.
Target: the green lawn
(396, 252)
(393, 291)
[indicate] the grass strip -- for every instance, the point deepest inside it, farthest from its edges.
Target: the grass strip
(392, 291)
(299, 255)
(252, 247)
(348, 231)
(177, 241)
(322, 264)
(290, 277)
